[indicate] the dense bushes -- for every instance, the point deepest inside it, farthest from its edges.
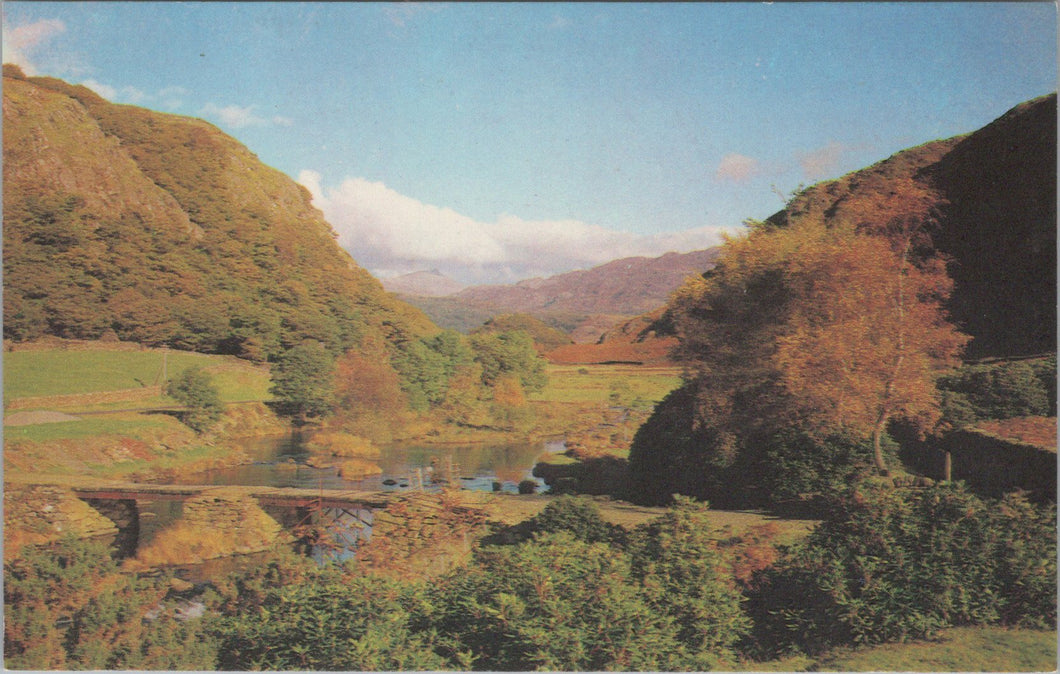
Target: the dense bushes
(999, 391)
(893, 564)
(330, 621)
(570, 593)
(67, 607)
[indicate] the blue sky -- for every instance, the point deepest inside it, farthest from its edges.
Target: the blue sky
(501, 141)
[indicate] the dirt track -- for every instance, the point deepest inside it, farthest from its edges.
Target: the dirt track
(37, 417)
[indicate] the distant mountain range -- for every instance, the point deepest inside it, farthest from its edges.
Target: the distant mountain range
(585, 303)
(422, 284)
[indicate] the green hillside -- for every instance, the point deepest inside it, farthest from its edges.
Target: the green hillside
(161, 229)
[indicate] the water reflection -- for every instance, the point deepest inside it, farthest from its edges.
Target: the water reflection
(280, 462)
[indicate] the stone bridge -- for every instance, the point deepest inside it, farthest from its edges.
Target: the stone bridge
(218, 521)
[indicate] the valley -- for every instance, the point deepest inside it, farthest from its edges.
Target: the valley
(832, 434)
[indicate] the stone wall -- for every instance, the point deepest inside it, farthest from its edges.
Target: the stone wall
(45, 513)
(218, 523)
(423, 534)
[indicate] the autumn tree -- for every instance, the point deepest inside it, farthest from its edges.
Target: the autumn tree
(827, 327)
(866, 338)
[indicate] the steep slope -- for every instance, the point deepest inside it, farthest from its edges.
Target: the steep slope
(120, 221)
(994, 197)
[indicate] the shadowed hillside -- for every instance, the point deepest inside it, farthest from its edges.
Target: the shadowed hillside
(996, 220)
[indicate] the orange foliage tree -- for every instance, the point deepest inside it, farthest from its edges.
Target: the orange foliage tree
(824, 327)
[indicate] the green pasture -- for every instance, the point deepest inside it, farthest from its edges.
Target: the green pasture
(125, 424)
(595, 383)
(59, 372)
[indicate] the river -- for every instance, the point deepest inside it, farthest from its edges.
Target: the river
(280, 461)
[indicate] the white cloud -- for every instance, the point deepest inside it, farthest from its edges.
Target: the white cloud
(239, 117)
(21, 43)
(737, 168)
(390, 233)
(167, 97)
(823, 161)
(105, 90)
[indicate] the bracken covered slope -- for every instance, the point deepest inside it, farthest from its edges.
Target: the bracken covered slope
(124, 222)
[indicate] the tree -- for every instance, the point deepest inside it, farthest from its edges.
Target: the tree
(194, 388)
(509, 353)
(866, 338)
(824, 328)
(302, 382)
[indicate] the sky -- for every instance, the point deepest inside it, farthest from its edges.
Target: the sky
(497, 142)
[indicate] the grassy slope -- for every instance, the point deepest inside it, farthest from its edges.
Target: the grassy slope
(58, 372)
(117, 443)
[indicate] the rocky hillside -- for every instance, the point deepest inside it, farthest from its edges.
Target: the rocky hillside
(994, 198)
(124, 223)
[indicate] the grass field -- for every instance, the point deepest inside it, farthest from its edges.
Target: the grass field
(593, 383)
(961, 649)
(59, 372)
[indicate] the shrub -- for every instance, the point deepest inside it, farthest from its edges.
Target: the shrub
(332, 622)
(66, 606)
(526, 487)
(999, 391)
(555, 603)
(797, 465)
(892, 564)
(677, 560)
(195, 389)
(577, 516)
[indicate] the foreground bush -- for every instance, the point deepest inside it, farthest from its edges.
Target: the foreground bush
(556, 603)
(893, 565)
(330, 621)
(66, 606)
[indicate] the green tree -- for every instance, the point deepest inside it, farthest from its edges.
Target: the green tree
(302, 386)
(195, 388)
(509, 354)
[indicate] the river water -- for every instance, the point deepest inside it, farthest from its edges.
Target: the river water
(281, 462)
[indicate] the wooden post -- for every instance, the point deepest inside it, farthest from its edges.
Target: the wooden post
(947, 468)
